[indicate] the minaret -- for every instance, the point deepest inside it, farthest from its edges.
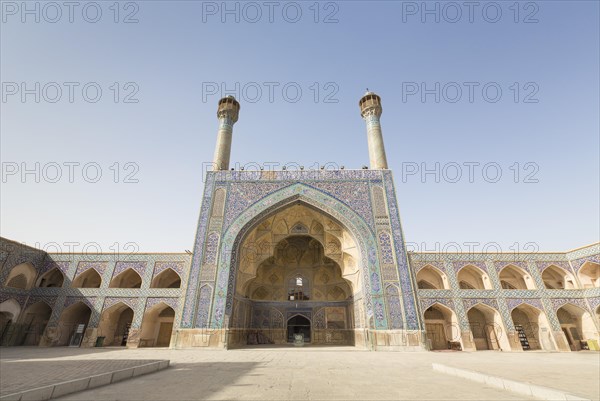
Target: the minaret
(228, 112)
(370, 110)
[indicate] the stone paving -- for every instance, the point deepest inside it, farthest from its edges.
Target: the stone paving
(319, 373)
(22, 368)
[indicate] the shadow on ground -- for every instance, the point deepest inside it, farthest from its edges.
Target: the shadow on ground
(27, 374)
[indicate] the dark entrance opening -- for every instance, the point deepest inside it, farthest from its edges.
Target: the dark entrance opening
(298, 325)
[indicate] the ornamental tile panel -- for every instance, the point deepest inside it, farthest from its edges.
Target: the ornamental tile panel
(100, 267)
(62, 266)
(139, 267)
(512, 303)
(177, 267)
(129, 301)
(577, 263)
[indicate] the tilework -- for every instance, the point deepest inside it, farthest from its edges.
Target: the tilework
(100, 267)
(504, 301)
(63, 267)
(242, 195)
(211, 249)
(501, 265)
(218, 203)
(469, 303)
(177, 267)
(577, 263)
(590, 250)
(89, 301)
(109, 302)
(557, 303)
(192, 298)
(392, 297)
(407, 283)
(172, 302)
(48, 300)
(21, 299)
(354, 194)
(97, 298)
(562, 264)
(357, 200)
(427, 302)
(462, 263)
(512, 303)
(594, 304)
(298, 192)
(416, 266)
(139, 267)
(319, 319)
(202, 319)
(379, 208)
(385, 248)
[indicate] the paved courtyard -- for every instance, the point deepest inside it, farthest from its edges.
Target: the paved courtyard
(274, 373)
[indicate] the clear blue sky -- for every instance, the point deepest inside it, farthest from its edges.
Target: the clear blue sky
(177, 50)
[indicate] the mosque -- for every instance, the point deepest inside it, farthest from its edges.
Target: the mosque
(301, 258)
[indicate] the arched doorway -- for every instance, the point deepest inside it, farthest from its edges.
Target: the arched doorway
(297, 261)
(157, 326)
(577, 325)
(115, 323)
(35, 319)
(9, 312)
(73, 323)
(441, 325)
(298, 326)
(533, 328)
(487, 328)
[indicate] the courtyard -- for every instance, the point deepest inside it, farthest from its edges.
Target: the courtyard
(282, 372)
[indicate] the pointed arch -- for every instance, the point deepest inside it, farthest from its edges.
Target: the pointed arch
(557, 278)
(532, 327)
(294, 194)
(299, 228)
(11, 308)
(168, 278)
(21, 276)
(487, 328)
(432, 278)
(70, 321)
(299, 324)
(115, 322)
(88, 279)
(9, 313)
(515, 278)
(157, 326)
(589, 275)
(52, 278)
(441, 327)
(473, 277)
(34, 321)
(128, 278)
(577, 325)
(218, 203)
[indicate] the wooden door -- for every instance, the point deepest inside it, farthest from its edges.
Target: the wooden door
(437, 335)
